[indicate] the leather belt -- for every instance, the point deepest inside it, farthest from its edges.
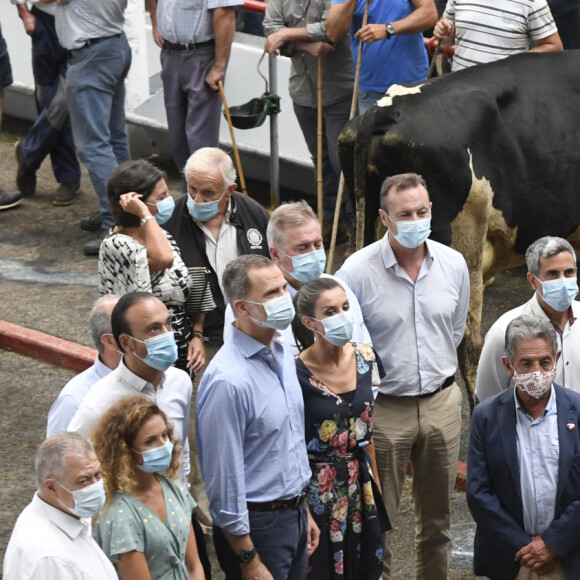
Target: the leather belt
(279, 504)
(183, 46)
(446, 383)
(92, 41)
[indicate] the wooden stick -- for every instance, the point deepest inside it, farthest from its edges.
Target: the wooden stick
(359, 206)
(435, 54)
(319, 143)
(236, 152)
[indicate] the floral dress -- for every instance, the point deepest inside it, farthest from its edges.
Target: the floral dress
(342, 496)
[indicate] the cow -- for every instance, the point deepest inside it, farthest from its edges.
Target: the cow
(498, 148)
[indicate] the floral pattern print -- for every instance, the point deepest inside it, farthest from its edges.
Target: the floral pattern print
(342, 496)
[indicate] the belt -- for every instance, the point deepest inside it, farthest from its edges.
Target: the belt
(92, 41)
(446, 383)
(183, 46)
(279, 504)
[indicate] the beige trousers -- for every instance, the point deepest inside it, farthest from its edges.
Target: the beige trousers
(527, 574)
(426, 432)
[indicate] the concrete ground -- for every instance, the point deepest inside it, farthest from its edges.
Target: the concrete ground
(47, 284)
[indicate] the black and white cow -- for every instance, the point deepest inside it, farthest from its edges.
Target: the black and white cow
(499, 148)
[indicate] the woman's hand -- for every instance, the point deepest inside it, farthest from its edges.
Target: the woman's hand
(195, 354)
(131, 203)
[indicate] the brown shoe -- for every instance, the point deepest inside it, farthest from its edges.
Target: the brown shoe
(65, 194)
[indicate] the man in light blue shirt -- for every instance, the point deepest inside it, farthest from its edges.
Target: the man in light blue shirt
(414, 296)
(107, 359)
(250, 433)
(523, 480)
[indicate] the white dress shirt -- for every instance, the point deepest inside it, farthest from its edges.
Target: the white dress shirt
(492, 377)
(415, 327)
(48, 544)
(173, 395)
(71, 396)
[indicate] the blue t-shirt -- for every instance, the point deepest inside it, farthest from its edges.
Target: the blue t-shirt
(400, 59)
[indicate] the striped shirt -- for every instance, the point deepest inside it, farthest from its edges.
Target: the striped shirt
(337, 67)
(489, 30)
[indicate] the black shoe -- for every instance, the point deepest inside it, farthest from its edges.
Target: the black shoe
(25, 178)
(92, 248)
(65, 194)
(9, 199)
(92, 223)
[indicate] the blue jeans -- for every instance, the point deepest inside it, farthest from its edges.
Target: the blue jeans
(280, 539)
(366, 99)
(96, 96)
(334, 118)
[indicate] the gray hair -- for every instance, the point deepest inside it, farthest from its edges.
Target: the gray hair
(288, 214)
(546, 247)
(209, 159)
(528, 326)
(236, 278)
(400, 183)
(50, 460)
(100, 320)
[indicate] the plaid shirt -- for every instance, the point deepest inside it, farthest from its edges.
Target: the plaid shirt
(337, 67)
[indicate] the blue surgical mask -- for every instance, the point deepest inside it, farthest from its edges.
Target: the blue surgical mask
(89, 501)
(412, 233)
(157, 459)
(559, 293)
(306, 267)
(338, 328)
(161, 351)
(164, 209)
(203, 211)
(279, 312)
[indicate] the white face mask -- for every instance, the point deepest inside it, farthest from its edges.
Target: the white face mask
(534, 384)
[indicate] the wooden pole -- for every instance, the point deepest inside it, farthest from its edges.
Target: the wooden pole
(360, 204)
(319, 143)
(236, 152)
(432, 65)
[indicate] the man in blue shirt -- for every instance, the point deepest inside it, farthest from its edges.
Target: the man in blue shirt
(394, 51)
(523, 479)
(250, 433)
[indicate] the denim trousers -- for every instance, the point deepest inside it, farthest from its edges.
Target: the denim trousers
(96, 96)
(366, 99)
(334, 118)
(280, 538)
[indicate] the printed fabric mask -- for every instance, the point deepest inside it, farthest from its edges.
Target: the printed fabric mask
(164, 210)
(161, 351)
(559, 293)
(279, 312)
(203, 211)
(413, 233)
(534, 384)
(306, 267)
(338, 328)
(157, 459)
(89, 501)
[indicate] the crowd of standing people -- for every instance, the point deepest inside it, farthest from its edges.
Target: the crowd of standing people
(237, 389)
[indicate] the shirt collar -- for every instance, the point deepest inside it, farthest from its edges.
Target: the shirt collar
(101, 368)
(550, 407)
(70, 525)
(389, 258)
(135, 381)
(249, 346)
(539, 311)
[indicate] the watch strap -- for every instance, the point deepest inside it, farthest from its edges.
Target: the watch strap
(146, 219)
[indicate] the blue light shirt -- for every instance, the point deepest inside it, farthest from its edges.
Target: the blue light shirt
(538, 454)
(71, 396)
(415, 327)
(250, 429)
(189, 21)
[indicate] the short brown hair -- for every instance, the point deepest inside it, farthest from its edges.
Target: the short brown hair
(400, 182)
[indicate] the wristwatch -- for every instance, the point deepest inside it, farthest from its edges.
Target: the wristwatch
(146, 219)
(390, 29)
(246, 556)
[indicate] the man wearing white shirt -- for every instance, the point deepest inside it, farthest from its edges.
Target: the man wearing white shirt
(107, 359)
(552, 274)
(52, 537)
(414, 296)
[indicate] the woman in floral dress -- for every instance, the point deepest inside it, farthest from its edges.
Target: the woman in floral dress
(336, 377)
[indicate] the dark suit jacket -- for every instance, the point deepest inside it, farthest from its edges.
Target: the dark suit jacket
(494, 491)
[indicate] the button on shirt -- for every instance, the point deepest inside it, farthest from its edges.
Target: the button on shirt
(538, 454)
(49, 544)
(173, 395)
(189, 21)
(415, 327)
(250, 429)
(71, 396)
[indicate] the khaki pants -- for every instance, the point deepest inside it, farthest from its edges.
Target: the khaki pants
(426, 432)
(197, 485)
(527, 574)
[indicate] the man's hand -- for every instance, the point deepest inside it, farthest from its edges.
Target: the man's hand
(214, 76)
(195, 354)
(28, 19)
(274, 42)
(536, 554)
(255, 570)
(159, 40)
(317, 49)
(444, 30)
(371, 33)
(313, 534)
